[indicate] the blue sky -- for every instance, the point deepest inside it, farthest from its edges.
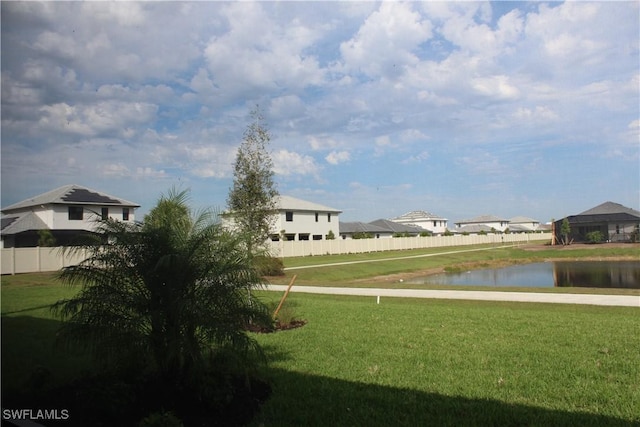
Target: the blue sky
(457, 108)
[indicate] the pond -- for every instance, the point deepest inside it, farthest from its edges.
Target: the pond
(592, 274)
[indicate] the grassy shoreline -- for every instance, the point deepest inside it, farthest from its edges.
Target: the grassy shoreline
(393, 269)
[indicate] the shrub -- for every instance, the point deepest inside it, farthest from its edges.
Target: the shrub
(595, 237)
(269, 266)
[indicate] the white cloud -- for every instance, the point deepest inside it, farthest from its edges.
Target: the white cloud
(337, 157)
(386, 40)
(496, 87)
(417, 158)
(289, 163)
(321, 143)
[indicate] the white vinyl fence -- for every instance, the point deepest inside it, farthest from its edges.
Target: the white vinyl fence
(286, 249)
(33, 260)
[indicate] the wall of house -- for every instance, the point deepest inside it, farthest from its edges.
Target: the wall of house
(304, 224)
(60, 216)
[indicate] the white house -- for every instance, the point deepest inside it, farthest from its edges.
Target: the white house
(483, 223)
(426, 220)
(522, 224)
(302, 220)
(66, 212)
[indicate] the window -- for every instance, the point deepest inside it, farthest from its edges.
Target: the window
(105, 213)
(75, 213)
(329, 217)
(434, 223)
(617, 229)
(316, 216)
(125, 214)
(289, 216)
(317, 237)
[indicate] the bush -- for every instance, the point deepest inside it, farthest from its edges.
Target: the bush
(269, 266)
(595, 237)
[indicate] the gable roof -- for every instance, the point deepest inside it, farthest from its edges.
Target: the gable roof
(361, 227)
(70, 195)
(608, 208)
(417, 216)
(291, 203)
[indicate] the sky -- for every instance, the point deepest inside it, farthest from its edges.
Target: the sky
(460, 109)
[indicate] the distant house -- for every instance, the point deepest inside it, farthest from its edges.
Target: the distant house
(65, 212)
(616, 222)
(350, 230)
(303, 220)
(399, 229)
(522, 224)
(426, 220)
(484, 223)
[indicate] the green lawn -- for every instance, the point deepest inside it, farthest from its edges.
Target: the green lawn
(427, 362)
(402, 362)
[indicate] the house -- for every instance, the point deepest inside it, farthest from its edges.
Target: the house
(66, 212)
(351, 230)
(522, 224)
(399, 229)
(483, 223)
(426, 220)
(303, 220)
(616, 222)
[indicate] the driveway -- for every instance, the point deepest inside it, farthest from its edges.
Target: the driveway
(587, 299)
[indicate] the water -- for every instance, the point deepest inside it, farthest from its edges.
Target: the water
(592, 274)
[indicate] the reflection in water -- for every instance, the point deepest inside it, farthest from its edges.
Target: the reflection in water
(599, 274)
(593, 274)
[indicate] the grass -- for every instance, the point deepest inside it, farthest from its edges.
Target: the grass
(403, 362)
(422, 362)
(371, 268)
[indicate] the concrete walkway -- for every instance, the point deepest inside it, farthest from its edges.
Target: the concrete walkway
(587, 299)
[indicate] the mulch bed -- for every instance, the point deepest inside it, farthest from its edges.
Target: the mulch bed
(278, 327)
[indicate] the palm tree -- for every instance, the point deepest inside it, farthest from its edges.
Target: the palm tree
(169, 296)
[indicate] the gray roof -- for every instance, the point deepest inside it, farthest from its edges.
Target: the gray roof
(482, 219)
(475, 228)
(361, 227)
(71, 195)
(14, 224)
(608, 208)
(291, 203)
(417, 216)
(521, 220)
(396, 227)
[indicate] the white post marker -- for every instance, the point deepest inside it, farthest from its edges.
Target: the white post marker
(378, 299)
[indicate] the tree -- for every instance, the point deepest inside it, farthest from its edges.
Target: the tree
(45, 238)
(252, 199)
(168, 298)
